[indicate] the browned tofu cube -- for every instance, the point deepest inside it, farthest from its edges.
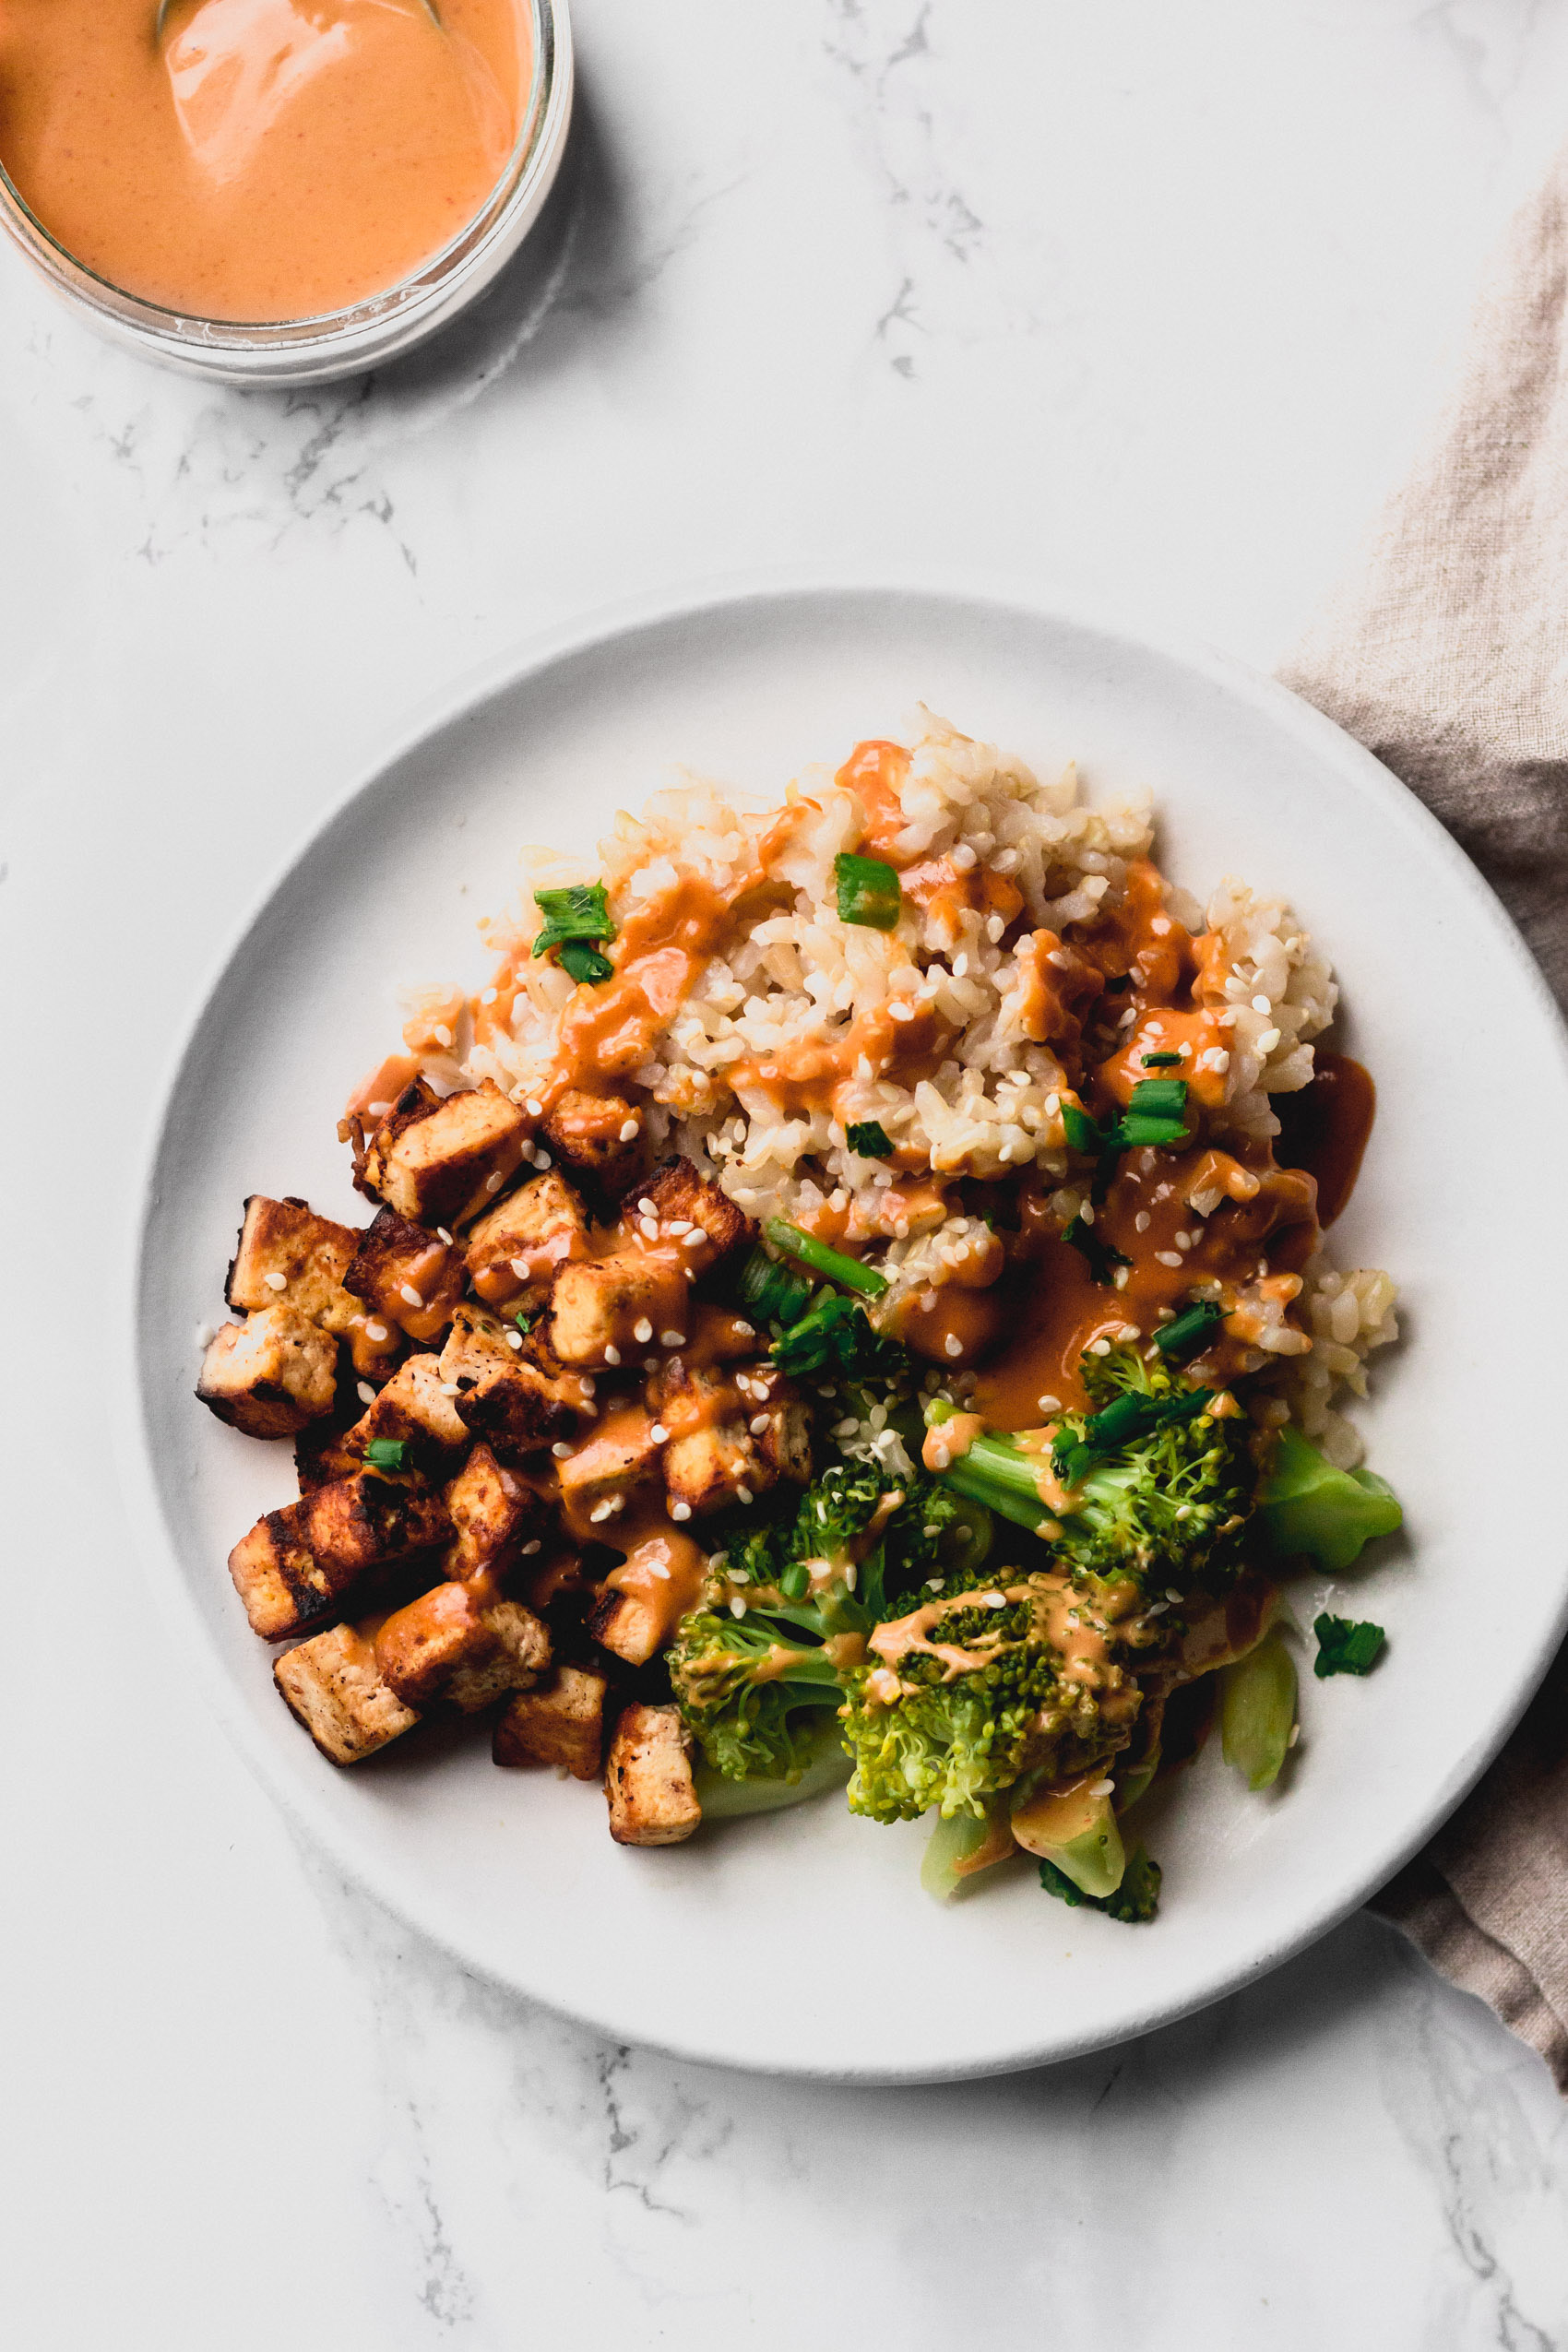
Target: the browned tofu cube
(607, 1468)
(451, 1645)
(413, 1409)
(502, 1394)
(614, 1311)
(440, 1162)
(514, 1248)
(270, 1375)
(712, 1468)
(494, 1514)
(561, 1721)
(405, 1276)
(287, 1256)
(628, 1625)
(297, 1565)
(601, 1135)
(332, 1684)
(648, 1779)
(681, 1203)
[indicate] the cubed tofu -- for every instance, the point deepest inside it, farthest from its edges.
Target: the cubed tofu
(589, 1133)
(675, 1197)
(514, 1248)
(270, 1375)
(413, 1409)
(405, 1275)
(560, 1721)
(628, 1625)
(612, 1311)
(333, 1685)
(440, 1162)
(713, 1467)
(299, 1564)
(608, 1465)
(648, 1779)
(452, 1645)
(287, 1256)
(494, 1514)
(502, 1396)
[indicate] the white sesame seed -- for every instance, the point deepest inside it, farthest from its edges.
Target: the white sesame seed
(601, 1510)
(694, 1240)
(1268, 1040)
(588, 1382)
(898, 1011)
(647, 1208)
(759, 1423)
(678, 1338)
(492, 1182)
(648, 1227)
(376, 1331)
(963, 857)
(745, 1494)
(561, 1450)
(514, 1339)
(1099, 1346)
(1049, 1404)
(441, 1034)
(1101, 1788)
(629, 1131)
(684, 1510)
(660, 1434)
(542, 1160)
(489, 995)
(612, 1355)
(680, 1225)
(534, 1109)
(953, 1345)
(745, 1330)
(408, 1295)
(378, 1109)
(364, 1391)
(1141, 1222)
(1168, 1258)
(532, 1546)
(442, 1234)
(1262, 1004)
(276, 1281)
(642, 1331)
(737, 1606)
(448, 1388)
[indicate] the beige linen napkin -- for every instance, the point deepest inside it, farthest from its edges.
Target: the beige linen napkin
(1448, 657)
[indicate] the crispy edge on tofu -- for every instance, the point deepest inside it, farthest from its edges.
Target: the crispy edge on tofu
(270, 1375)
(596, 1304)
(503, 1396)
(495, 1512)
(413, 1407)
(405, 1275)
(514, 1248)
(560, 1721)
(440, 1162)
(627, 1625)
(331, 1685)
(735, 1433)
(676, 1193)
(609, 1464)
(297, 1565)
(451, 1646)
(287, 1256)
(588, 1132)
(647, 1779)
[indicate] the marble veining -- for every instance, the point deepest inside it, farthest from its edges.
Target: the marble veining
(1155, 300)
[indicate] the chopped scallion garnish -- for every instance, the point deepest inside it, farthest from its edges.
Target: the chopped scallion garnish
(775, 1293)
(1099, 1256)
(1346, 1645)
(386, 1453)
(831, 1264)
(869, 1139)
(583, 962)
(1190, 1334)
(869, 892)
(574, 916)
(1160, 1060)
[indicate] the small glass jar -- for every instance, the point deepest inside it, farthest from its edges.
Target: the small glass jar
(341, 342)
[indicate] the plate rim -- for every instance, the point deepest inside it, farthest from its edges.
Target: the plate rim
(1028, 594)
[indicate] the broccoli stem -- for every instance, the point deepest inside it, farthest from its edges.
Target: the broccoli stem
(993, 1471)
(1257, 1711)
(962, 1845)
(827, 1766)
(1310, 1508)
(831, 1264)
(1078, 1834)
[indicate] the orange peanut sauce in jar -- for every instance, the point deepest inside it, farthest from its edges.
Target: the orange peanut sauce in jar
(258, 160)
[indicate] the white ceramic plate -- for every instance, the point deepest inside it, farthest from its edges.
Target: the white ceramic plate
(803, 1943)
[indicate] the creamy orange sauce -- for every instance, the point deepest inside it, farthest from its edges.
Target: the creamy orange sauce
(1075, 1628)
(664, 1570)
(268, 159)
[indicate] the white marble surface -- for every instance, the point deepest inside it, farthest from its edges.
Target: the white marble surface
(1158, 297)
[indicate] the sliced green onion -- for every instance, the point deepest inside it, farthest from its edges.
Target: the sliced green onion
(870, 1138)
(1099, 1256)
(869, 892)
(1346, 1645)
(1189, 1335)
(1160, 1060)
(581, 912)
(583, 962)
(831, 1264)
(775, 1293)
(1121, 1423)
(1160, 1099)
(525, 1323)
(1081, 1130)
(386, 1453)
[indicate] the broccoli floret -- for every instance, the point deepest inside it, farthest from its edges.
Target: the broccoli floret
(1162, 1489)
(834, 1336)
(1308, 1506)
(751, 1698)
(947, 1725)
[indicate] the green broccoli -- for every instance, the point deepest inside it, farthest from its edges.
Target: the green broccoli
(1135, 1900)
(834, 1336)
(1308, 1506)
(748, 1695)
